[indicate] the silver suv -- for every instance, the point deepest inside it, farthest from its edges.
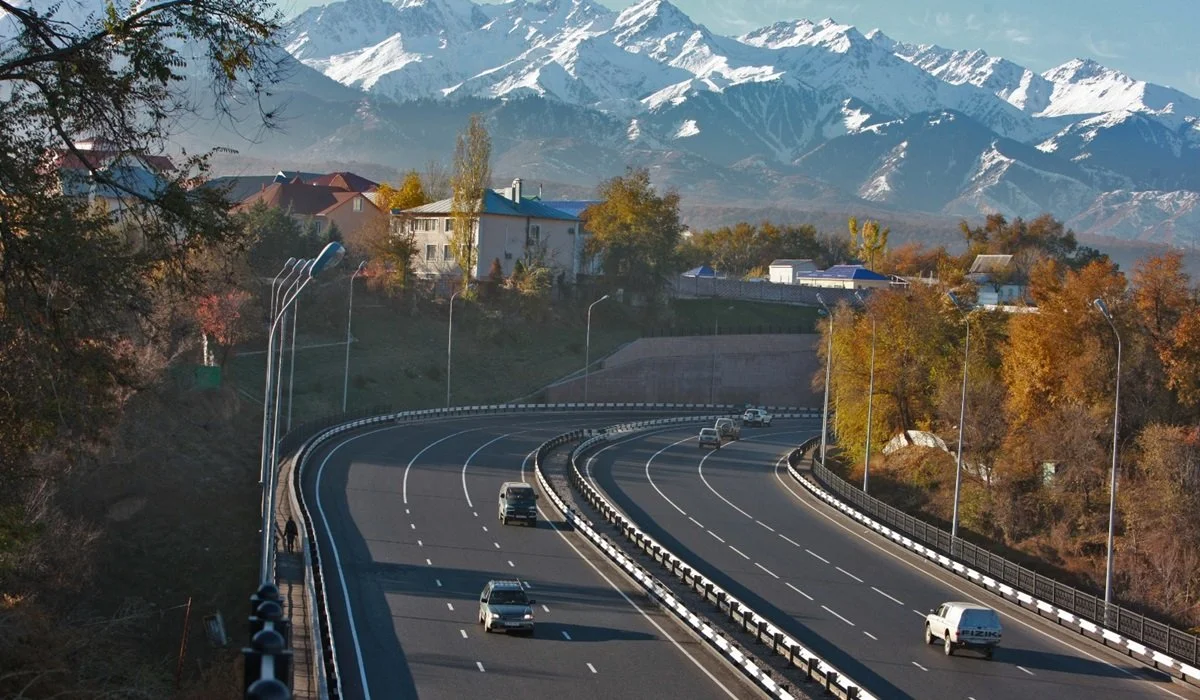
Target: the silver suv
(504, 606)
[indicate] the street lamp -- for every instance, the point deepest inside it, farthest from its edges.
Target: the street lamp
(330, 256)
(587, 348)
(828, 361)
(870, 395)
(1112, 498)
(285, 270)
(962, 416)
(449, 340)
(297, 267)
(349, 311)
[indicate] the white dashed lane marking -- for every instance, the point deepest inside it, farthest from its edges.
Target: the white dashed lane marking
(480, 665)
(765, 525)
(772, 573)
(450, 605)
(798, 591)
(919, 666)
(849, 574)
(831, 612)
(497, 545)
(695, 521)
(566, 636)
(1025, 670)
(511, 564)
(428, 562)
(818, 556)
(871, 635)
(789, 539)
(592, 668)
(718, 537)
(739, 552)
(885, 595)
(463, 633)
(545, 608)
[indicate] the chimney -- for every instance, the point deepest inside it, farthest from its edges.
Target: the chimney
(539, 191)
(516, 191)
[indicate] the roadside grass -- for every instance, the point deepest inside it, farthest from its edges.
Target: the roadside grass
(700, 316)
(398, 360)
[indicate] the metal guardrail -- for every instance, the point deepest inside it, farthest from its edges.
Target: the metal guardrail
(1161, 646)
(816, 668)
(305, 442)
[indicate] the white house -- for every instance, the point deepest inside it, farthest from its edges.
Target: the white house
(997, 280)
(785, 270)
(511, 227)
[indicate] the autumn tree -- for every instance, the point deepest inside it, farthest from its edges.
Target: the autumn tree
(389, 245)
(435, 179)
(635, 232)
(472, 173)
(868, 243)
(1169, 310)
(410, 193)
(222, 316)
(80, 302)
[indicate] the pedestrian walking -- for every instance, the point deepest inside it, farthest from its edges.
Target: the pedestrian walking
(290, 532)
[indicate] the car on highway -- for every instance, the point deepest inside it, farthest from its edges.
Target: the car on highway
(709, 437)
(729, 428)
(518, 501)
(757, 417)
(963, 626)
(504, 607)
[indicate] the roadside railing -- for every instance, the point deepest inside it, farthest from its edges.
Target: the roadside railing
(1159, 645)
(308, 437)
(815, 668)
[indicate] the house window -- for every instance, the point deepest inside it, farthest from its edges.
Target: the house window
(449, 224)
(317, 226)
(535, 234)
(358, 204)
(430, 252)
(446, 253)
(424, 224)
(571, 231)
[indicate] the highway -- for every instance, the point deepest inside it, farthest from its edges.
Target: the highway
(408, 531)
(836, 587)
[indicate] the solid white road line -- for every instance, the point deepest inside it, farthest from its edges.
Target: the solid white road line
(818, 556)
(739, 552)
(831, 612)
(587, 466)
(957, 588)
(592, 668)
(417, 456)
(885, 595)
(772, 573)
(848, 574)
(798, 591)
(651, 479)
(719, 539)
(480, 665)
(700, 470)
(472, 456)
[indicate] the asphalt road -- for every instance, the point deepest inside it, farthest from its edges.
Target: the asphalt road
(409, 536)
(850, 596)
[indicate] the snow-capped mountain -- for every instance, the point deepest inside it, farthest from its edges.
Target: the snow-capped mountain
(907, 126)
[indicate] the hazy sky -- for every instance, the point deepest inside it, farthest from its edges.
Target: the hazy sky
(1156, 40)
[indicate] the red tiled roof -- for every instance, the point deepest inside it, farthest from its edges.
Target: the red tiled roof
(300, 199)
(346, 181)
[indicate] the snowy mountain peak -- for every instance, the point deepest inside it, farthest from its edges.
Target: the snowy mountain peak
(1079, 70)
(658, 17)
(826, 33)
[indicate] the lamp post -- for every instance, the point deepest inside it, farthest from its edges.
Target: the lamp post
(293, 266)
(587, 348)
(292, 359)
(349, 311)
(870, 396)
(449, 341)
(1112, 489)
(330, 256)
(962, 416)
(828, 361)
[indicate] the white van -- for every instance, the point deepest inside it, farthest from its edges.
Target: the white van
(963, 625)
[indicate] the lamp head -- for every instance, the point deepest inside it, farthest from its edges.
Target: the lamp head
(361, 266)
(954, 299)
(329, 257)
(1102, 307)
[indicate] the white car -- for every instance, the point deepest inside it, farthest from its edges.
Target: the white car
(757, 416)
(709, 437)
(963, 626)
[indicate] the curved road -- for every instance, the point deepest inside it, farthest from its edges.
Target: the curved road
(845, 592)
(409, 536)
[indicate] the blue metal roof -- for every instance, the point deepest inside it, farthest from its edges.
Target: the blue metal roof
(574, 207)
(844, 272)
(499, 205)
